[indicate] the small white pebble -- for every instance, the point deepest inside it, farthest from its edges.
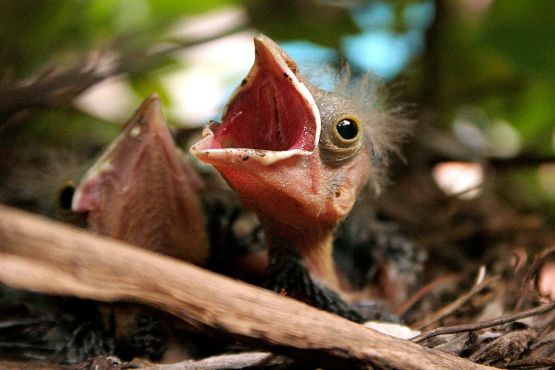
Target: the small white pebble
(394, 330)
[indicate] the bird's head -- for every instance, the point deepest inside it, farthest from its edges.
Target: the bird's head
(141, 190)
(298, 155)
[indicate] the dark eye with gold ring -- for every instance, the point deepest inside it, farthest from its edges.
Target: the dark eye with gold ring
(347, 129)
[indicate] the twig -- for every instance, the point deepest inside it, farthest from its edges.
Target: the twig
(455, 305)
(484, 324)
(55, 89)
(44, 256)
(49, 91)
(426, 289)
(531, 363)
(247, 360)
(231, 361)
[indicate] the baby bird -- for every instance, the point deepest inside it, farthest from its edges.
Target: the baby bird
(299, 156)
(142, 191)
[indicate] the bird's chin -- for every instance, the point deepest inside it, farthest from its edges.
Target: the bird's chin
(285, 187)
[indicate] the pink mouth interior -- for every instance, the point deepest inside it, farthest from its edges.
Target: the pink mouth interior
(268, 113)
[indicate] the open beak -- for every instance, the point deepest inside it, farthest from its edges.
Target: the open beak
(272, 116)
(267, 144)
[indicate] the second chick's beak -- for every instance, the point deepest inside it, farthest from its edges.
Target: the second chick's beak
(141, 190)
(297, 155)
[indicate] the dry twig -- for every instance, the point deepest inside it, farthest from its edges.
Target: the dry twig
(58, 88)
(531, 363)
(484, 324)
(231, 361)
(426, 289)
(455, 305)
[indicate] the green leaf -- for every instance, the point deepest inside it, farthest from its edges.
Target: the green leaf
(521, 31)
(31, 30)
(169, 9)
(534, 115)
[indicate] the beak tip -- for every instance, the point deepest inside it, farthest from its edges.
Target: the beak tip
(154, 96)
(153, 102)
(260, 39)
(151, 110)
(264, 43)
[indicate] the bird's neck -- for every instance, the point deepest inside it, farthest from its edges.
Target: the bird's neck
(314, 245)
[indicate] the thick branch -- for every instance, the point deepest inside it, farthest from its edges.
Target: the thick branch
(41, 255)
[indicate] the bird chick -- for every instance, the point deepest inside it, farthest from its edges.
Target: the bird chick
(299, 155)
(142, 191)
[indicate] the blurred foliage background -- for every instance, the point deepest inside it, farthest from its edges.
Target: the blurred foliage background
(477, 75)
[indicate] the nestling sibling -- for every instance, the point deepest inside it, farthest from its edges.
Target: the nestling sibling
(142, 190)
(299, 156)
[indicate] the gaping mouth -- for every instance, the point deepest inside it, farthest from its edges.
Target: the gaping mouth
(271, 116)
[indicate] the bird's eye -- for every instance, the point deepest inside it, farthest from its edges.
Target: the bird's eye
(347, 129)
(65, 196)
